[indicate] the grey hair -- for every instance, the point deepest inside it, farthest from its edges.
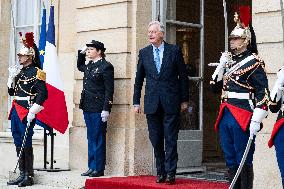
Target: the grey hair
(161, 25)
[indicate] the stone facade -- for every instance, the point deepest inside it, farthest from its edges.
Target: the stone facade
(269, 32)
(121, 25)
(4, 57)
(120, 31)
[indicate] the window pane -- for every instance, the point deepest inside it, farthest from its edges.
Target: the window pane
(25, 12)
(184, 11)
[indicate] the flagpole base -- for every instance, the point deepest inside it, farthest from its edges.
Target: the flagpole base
(52, 170)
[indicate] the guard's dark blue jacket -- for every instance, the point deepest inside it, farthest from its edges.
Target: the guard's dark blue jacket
(30, 82)
(250, 78)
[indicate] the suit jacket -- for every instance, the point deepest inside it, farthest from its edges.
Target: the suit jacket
(169, 87)
(98, 85)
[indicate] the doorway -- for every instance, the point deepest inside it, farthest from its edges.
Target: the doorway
(198, 27)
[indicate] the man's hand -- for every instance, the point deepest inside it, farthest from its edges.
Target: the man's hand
(13, 71)
(30, 117)
(254, 128)
(137, 109)
(104, 116)
(184, 106)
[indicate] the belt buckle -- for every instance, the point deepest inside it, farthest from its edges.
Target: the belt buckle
(251, 96)
(224, 95)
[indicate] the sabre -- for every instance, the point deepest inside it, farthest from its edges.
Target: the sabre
(12, 175)
(226, 32)
(242, 162)
(226, 25)
(23, 145)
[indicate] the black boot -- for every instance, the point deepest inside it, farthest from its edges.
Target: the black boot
(21, 168)
(231, 173)
(29, 171)
(247, 177)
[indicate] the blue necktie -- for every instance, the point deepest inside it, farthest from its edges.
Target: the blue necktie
(157, 60)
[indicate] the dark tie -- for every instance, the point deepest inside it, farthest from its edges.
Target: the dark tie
(157, 60)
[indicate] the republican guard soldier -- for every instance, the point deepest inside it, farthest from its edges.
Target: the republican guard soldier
(241, 77)
(277, 135)
(96, 103)
(28, 87)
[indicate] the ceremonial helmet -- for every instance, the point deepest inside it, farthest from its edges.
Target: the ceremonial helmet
(242, 29)
(28, 43)
(29, 48)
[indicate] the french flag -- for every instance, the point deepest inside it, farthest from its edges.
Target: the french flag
(54, 113)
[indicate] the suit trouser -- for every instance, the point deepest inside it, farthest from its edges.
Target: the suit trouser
(279, 148)
(234, 140)
(164, 126)
(18, 129)
(96, 135)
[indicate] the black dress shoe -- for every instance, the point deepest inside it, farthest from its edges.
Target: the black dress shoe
(87, 172)
(28, 181)
(171, 179)
(161, 178)
(17, 180)
(96, 174)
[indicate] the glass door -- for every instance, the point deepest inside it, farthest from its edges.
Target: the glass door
(184, 22)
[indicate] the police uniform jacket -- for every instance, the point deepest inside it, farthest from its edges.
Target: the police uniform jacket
(248, 79)
(30, 84)
(98, 84)
(277, 107)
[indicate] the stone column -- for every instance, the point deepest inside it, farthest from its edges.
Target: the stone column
(267, 23)
(123, 32)
(5, 25)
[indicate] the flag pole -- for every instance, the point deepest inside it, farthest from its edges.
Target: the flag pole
(46, 42)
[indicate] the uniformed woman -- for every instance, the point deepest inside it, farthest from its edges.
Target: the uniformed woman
(96, 102)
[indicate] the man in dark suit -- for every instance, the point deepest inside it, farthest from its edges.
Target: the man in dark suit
(96, 103)
(166, 94)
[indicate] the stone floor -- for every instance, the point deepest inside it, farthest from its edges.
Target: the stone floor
(211, 172)
(52, 180)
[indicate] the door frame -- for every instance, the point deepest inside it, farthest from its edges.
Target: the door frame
(191, 140)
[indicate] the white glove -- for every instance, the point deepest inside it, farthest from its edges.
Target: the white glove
(224, 58)
(219, 72)
(33, 111)
(280, 75)
(35, 108)
(253, 128)
(10, 82)
(84, 49)
(276, 92)
(30, 117)
(13, 71)
(104, 116)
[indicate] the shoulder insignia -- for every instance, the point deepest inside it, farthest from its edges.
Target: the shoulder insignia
(257, 57)
(40, 74)
(260, 61)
